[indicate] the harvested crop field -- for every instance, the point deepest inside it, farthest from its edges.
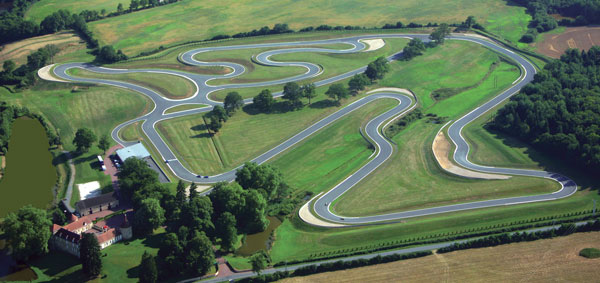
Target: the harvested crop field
(551, 260)
(67, 42)
(582, 38)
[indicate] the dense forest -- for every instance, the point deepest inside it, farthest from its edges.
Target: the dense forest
(583, 12)
(559, 112)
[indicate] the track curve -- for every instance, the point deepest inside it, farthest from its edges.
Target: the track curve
(384, 148)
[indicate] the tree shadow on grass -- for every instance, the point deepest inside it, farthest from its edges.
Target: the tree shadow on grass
(56, 263)
(322, 104)
(585, 180)
(82, 159)
(200, 128)
(154, 241)
(133, 272)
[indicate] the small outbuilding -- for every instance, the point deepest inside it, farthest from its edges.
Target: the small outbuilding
(102, 202)
(137, 150)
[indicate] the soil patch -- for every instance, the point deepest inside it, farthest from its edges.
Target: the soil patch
(582, 38)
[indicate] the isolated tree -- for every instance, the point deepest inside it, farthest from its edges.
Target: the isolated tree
(180, 197)
(89, 254)
(193, 191)
(414, 48)
(27, 232)
(292, 92)
(58, 216)
(199, 254)
(9, 66)
(143, 3)
(309, 91)
(219, 112)
(377, 69)
(226, 231)
(337, 92)
(120, 8)
(440, 33)
(469, 22)
(258, 262)
(148, 217)
(84, 138)
(233, 101)
(148, 271)
(104, 143)
(358, 83)
(134, 5)
(264, 100)
(214, 124)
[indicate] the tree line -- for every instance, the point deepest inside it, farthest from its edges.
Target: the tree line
(583, 12)
(559, 111)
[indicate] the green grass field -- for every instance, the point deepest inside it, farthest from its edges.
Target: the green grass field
(333, 153)
(198, 20)
(100, 108)
(243, 137)
(39, 10)
(170, 86)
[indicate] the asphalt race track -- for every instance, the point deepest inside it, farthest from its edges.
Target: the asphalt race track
(384, 148)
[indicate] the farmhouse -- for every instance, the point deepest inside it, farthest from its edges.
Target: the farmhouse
(108, 201)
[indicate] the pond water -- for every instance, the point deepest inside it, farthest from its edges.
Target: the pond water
(258, 241)
(29, 173)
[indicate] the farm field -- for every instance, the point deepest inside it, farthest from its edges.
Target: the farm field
(512, 262)
(169, 86)
(71, 47)
(39, 10)
(555, 43)
(170, 24)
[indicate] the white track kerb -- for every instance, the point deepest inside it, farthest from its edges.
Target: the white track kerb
(384, 149)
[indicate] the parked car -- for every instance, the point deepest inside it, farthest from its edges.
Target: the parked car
(103, 168)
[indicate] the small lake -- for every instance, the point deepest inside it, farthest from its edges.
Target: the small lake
(29, 173)
(258, 241)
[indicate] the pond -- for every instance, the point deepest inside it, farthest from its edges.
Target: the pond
(258, 241)
(29, 174)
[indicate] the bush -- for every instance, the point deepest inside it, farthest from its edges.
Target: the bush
(590, 253)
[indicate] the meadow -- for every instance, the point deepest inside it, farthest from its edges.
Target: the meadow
(191, 20)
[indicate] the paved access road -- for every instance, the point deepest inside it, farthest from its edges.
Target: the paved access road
(384, 148)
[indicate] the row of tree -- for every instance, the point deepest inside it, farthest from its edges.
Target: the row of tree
(559, 112)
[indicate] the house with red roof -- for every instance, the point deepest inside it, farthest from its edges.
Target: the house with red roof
(67, 238)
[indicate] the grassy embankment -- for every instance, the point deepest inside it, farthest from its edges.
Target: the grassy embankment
(184, 107)
(179, 22)
(513, 262)
(170, 86)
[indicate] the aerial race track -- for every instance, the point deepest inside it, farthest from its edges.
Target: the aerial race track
(373, 129)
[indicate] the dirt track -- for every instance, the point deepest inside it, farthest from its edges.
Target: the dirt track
(579, 37)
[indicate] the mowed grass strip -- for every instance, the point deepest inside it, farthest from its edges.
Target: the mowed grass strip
(540, 261)
(184, 107)
(332, 64)
(333, 153)
(190, 20)
(298, 240)
(170, 86)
